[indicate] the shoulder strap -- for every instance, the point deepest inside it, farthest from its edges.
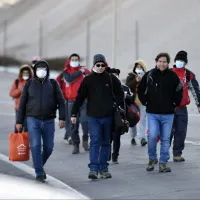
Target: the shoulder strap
(111, 83)
(149, 78)
(187, 75)
(17, 83)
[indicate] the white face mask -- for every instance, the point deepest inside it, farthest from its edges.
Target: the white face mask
(180, 64)
(41, 73)
(74, 63)
(140, 72)
(25, 77)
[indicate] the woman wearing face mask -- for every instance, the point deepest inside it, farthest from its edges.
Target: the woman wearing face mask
(25, 73)
(132, 81)
(189, 81)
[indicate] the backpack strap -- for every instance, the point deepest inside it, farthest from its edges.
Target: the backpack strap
(149, 79)
(17, 83)
(187, 75)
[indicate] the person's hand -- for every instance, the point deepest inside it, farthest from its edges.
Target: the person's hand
(73, 120)
(82, 70)
(138, 78)
(19, 127)
(61, 123)
(199, 109)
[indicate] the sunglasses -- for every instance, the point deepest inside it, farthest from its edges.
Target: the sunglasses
(100, 65)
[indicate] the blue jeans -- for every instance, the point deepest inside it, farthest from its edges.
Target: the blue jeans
(100, 130)
(25, 129)
(159, 123)
(40, 129)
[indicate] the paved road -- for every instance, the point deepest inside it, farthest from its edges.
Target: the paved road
(130, 180)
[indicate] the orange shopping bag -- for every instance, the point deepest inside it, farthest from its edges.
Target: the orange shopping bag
(19, 149)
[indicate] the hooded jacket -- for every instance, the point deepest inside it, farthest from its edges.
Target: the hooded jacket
(70, 80)
(18, 84)
(41, 98)
(131, 80)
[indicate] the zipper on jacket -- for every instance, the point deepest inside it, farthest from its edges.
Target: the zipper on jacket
(41, 91)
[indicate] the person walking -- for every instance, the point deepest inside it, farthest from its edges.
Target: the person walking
(132, 81)
(188, 79)
(97, 88)
(25, 74)
(160, 90)
(39, 101)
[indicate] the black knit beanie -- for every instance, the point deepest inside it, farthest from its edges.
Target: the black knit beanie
(181, 55)
(99, 58)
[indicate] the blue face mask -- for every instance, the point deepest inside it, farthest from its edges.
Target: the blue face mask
(180, 64)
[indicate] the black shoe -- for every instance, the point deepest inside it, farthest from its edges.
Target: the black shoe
(133, 142)
(75, 149)
(114, 159)
(45, 175)
(93, 175)
(151, 165)
(40, 179)
(143, 142)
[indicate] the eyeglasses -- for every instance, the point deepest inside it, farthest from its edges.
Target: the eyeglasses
(100, 65)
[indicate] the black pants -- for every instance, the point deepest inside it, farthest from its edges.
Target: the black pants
(179, 130)
(115, 143)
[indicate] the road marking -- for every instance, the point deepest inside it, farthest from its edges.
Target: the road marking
(52, 181)
(197, 143)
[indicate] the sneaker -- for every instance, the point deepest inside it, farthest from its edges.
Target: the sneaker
(156, 161)
(178, 159)
(133, 142)
(93, 175)
(40, 179)
(115, 161)
(68, 141)
(85, 145)
(163, 168)
(143, 142)
(105, 175)
(75, 149)
(151, 165)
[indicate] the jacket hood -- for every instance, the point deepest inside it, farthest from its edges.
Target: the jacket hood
(142, 63)
(25, 67)
(41, 63)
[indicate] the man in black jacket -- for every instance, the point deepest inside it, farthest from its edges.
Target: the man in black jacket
(97, 88)
(160, 91)
(39, 101)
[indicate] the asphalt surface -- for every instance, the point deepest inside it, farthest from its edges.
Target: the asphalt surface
(130, 179)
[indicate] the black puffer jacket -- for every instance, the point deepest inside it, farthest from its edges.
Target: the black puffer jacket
(40, 99)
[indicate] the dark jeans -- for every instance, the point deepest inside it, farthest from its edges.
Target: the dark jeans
(41, 129)
(100, 131)
(25, 129)
(81, 118)
(67, 122)
(116, 143)
(179, 130)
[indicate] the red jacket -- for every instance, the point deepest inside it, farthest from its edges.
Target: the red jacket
(70, 88)
(181, 72)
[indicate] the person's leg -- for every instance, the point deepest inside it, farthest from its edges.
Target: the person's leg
(74, 130)
(95, 130)
(105, 147)
(34, 127)
(165, 132)
(84, 123)
(133, 131)
(48, 130)
(116, 147)
(153, 131)
(142, 125)
(67, 136)
(180, 133)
